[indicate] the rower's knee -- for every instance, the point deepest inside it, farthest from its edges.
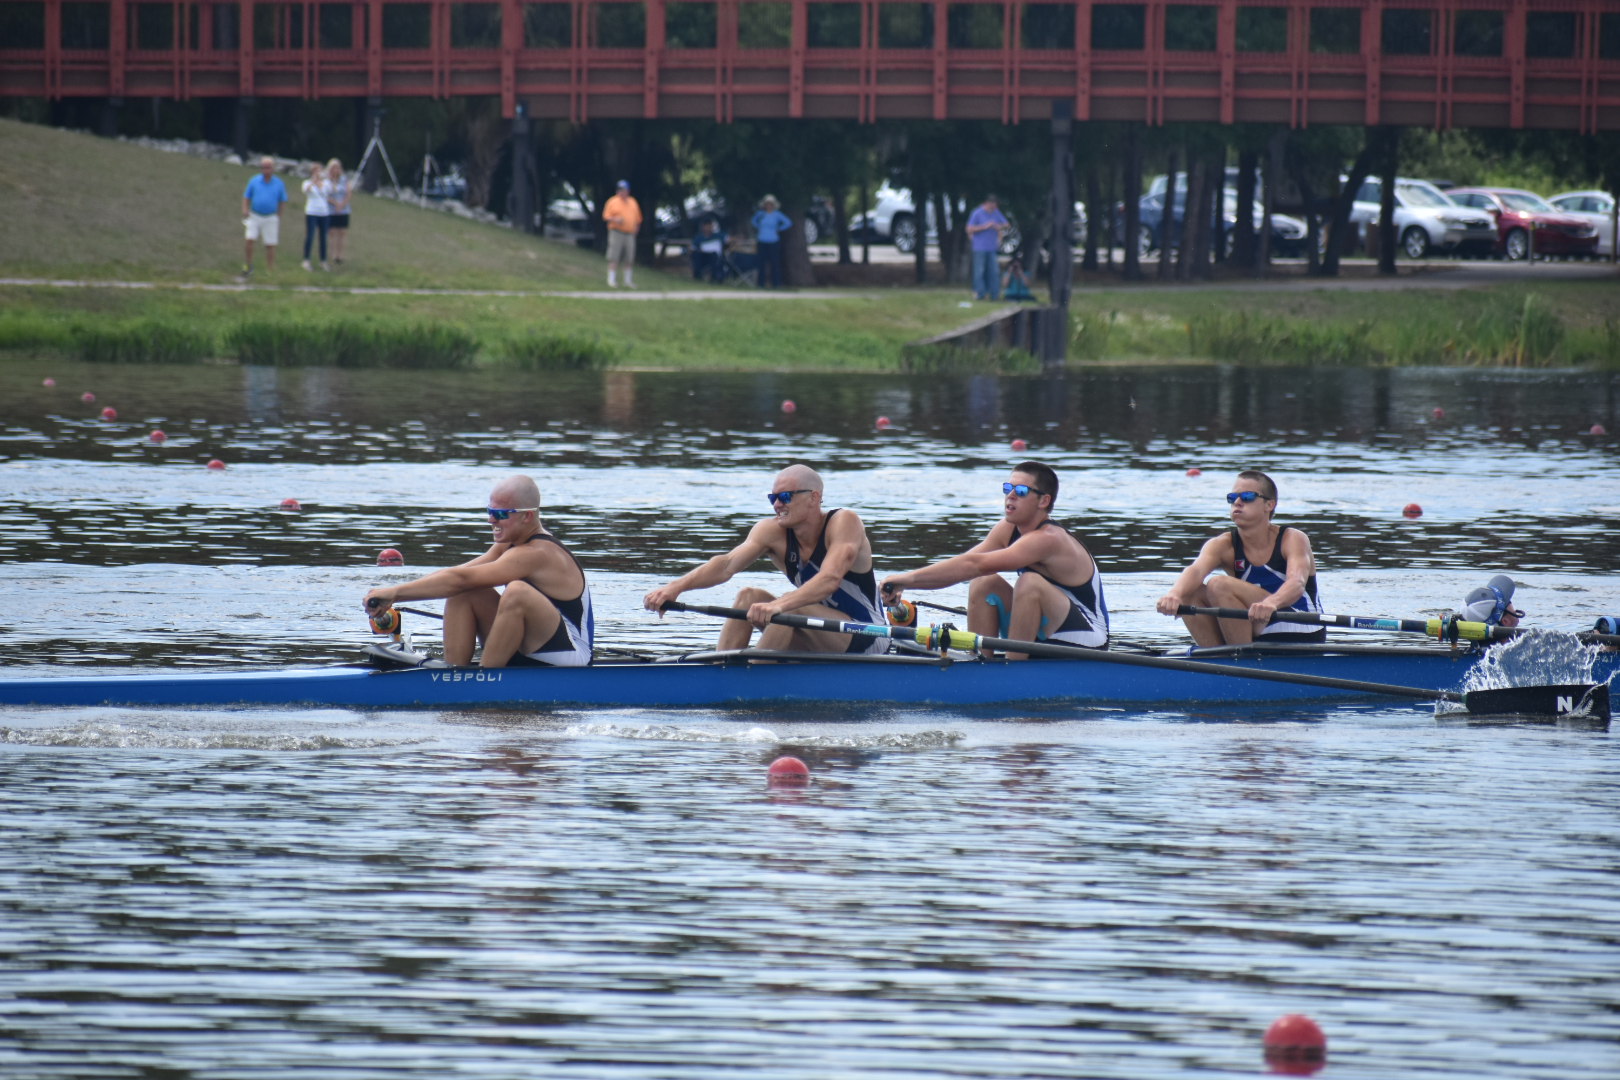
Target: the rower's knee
(1222, 591)
(751, 595)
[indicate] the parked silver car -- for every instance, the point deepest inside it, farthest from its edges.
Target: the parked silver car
(1426, 219)
(1594, 207)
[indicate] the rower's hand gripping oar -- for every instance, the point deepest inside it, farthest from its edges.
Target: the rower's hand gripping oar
(1448, 628)
(1549, 700)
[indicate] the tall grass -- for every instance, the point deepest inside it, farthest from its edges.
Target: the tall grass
(556, 352)
(1251, 338)
(352, 345)
(35, 331)
(968, 359)
(146, 341)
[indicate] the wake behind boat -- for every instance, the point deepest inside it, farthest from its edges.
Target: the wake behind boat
(754, 677)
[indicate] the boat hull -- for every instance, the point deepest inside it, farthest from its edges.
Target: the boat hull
(743, 684)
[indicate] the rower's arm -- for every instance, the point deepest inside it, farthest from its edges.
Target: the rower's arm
(483, 572)
(989, 556)
(1215, 554)
(716, 571)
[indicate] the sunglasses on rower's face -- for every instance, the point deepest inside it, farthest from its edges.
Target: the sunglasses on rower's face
(785, 497)
(1020, 490)
(1235, 497)
(497, 513)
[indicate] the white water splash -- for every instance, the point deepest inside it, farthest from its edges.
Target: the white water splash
(105, 735)
(761, 736)
(1539, 658)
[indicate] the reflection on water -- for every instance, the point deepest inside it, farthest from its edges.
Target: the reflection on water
(967, 893)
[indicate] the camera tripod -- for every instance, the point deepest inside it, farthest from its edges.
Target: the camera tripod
(376, 144)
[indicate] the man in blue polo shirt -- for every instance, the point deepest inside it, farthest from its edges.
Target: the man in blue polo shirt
(262, 201)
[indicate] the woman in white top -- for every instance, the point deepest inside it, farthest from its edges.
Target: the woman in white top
(338, 206)
(316, 209)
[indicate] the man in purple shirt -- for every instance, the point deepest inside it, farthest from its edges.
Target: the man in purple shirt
(984, 234)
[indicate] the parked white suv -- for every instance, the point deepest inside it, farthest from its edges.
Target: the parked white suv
(1425, 219)
(1596, 208)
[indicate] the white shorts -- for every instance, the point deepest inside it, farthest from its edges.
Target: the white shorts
(266, 227)
(621, 247)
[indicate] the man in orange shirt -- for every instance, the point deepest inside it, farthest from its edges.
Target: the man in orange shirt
(623, 216)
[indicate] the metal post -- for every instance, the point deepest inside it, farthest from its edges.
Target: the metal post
(522, 169)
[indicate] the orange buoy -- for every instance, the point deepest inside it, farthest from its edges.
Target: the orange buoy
(788, 770)
(1412, 510)
(1195, 472)
(215, 463)
(290, 504)
(1295, 1046)
(390, 557)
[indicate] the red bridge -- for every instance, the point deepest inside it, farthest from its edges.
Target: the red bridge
(1430, 63)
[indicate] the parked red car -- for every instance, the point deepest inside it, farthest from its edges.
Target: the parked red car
(1527, 224)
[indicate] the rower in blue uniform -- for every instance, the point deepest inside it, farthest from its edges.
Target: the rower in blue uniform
(1057, 594)
(1266, 568)
(834, 581)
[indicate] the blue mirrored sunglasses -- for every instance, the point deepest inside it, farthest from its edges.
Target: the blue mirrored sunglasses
(1020, 489)
(1243, 496)
(497, 513)
(785, 497)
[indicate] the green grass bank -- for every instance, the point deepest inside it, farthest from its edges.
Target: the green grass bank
(99, 211)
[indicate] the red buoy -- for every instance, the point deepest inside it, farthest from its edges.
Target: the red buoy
(87, 397)
(1295, 1045)
(1438, 413)
(49, 381)
(882, 422)
(1598, 429)
(788, 770)
(1412, 510)
(157, 435)
(789, 407)
(390, 557)
(290, 504)
(1195, 472)
(1020, 445)
(215, 463)
(109, 413)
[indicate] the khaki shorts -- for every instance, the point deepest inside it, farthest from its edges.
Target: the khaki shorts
(621, 247)
(266, 227)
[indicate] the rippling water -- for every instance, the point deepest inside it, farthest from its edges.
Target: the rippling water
(1076, 893)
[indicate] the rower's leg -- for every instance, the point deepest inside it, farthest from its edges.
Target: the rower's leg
(735, 633)
(467, 618)
(1035, 598)
(1229, 592)
(803, 639)
(984, 618)
(524, 619)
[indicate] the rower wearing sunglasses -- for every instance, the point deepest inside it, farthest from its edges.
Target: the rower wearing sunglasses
(1058, 595)
(824, 553)
(1267, 568)
(526, 598)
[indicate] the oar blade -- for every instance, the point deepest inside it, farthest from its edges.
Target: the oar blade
(1572, 701)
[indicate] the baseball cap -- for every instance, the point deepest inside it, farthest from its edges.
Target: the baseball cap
(624, 183)
(1490, 603)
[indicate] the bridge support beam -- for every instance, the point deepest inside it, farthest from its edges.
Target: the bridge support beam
(522, 207)
(1054, 341)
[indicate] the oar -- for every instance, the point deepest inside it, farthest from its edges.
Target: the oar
(1551, 700)
(1442, 628)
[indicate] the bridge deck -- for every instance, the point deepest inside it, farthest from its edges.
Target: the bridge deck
(1430, 63)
